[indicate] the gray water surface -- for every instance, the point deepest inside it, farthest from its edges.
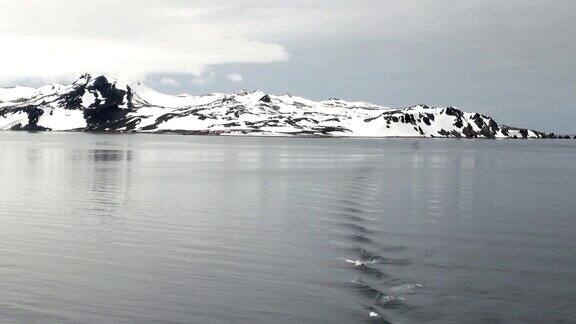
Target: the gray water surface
(185, 229)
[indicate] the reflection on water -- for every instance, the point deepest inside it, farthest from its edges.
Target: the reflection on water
(138, 228)
(111, 155)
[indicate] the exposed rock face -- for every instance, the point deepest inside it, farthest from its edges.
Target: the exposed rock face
(102, 104)
(110, 105)
(34, 114)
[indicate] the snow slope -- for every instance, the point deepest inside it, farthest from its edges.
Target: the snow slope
(102, 104)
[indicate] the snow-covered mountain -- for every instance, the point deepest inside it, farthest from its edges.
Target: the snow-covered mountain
(102, 104)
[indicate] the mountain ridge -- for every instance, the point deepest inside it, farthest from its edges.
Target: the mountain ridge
(102, 104)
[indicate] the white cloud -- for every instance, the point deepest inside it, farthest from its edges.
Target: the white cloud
(183, 12)
(48, 56)
(64, 39)
(199, 81)
(204, 78)
(235, 77)
(169, 81)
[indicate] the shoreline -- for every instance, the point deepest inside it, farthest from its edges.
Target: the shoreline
(227, 134)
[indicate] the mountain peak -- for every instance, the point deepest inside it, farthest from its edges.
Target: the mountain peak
(89, 78)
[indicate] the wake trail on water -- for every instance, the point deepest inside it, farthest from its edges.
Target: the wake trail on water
(355, 226)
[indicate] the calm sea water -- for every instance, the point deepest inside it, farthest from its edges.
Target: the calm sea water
(183, 229)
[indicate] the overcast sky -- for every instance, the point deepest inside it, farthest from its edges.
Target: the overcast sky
(513, 59)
